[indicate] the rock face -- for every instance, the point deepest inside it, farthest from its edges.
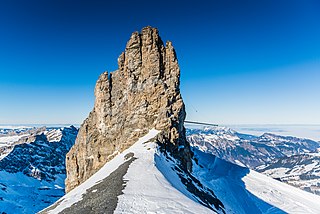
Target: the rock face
(142, 94)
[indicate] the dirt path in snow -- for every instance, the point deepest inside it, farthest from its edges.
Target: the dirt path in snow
(102, 197)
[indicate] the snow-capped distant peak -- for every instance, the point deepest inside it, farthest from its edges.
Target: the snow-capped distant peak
(219, 129)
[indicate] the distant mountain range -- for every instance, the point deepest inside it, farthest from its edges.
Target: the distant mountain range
(302, 171)
(32, 167)
(289, 159)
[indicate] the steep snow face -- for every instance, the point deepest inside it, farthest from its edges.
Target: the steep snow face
(32, 173)
(151, 185)
(155, 187)
(24, 194)
(302, 171)
(245, 191)
(283, 196)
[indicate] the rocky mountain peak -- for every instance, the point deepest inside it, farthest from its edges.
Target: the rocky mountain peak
(141, 95)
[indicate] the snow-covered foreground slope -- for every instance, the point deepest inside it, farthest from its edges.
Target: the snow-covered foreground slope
(144, 180)
(284, 196)
(20, 193)
(146, 187)
(245, 191)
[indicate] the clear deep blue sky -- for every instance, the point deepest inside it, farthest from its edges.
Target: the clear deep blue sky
(242, 62)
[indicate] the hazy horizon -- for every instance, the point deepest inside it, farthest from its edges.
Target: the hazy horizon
(310, 131)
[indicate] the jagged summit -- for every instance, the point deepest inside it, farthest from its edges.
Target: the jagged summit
(141, 95)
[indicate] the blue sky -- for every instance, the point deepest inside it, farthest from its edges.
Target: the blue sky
(242, 62)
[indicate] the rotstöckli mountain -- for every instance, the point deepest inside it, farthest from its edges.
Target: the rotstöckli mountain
(131, 154)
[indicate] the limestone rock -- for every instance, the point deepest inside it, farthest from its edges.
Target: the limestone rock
(142, 94)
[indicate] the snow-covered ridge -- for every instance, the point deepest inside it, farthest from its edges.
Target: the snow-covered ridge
(76, 194)
(151, 184)
(8, 140)
(147, 188)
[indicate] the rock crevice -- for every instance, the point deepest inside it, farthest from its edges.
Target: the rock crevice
(142, 94)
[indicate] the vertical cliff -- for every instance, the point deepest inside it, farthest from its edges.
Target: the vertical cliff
(142, 94)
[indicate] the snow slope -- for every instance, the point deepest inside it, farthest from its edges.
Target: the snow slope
(283, 196)
(245, 191)
(289, 159)
(152, 185)
(23, 194)
(147, 189)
